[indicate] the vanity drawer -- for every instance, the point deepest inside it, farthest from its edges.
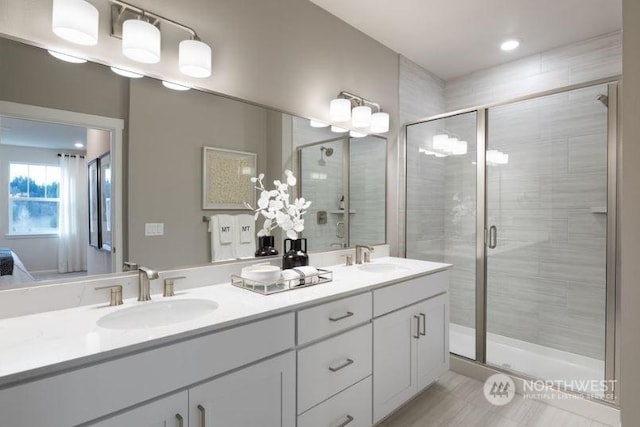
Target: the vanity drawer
(330, 366)
(403, 294)
(352, 405)
(322, 320)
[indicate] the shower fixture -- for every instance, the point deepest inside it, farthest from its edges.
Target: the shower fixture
(328, 151)
(604, 99)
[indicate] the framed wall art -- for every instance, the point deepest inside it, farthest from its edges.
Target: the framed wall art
(226, 179)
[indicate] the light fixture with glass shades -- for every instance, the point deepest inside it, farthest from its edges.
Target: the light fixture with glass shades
(338, 129)
(141, 39)
(75, 21)
(317, 124)
(354, 134)
(364, 116)
(67, 58)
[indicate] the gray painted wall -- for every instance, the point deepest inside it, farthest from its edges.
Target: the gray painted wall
(629, 203)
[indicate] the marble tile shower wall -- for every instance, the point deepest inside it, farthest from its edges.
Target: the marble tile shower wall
(553, 244)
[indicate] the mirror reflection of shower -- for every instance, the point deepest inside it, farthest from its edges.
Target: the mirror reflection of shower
(324, 151)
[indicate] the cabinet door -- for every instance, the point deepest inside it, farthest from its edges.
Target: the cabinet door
(169, 411)
(394, 360)
(259, 395)
(433, 345)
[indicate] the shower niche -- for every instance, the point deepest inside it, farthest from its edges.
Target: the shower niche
(345, 178)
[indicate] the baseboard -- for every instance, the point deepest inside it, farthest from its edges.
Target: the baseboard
(594, 409)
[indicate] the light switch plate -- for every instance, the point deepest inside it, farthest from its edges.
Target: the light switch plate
(154, 229)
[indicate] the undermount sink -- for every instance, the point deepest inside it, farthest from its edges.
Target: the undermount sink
(381, 268)
(155, 314)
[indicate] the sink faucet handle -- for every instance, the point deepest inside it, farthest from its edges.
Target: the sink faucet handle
(348, 260)
(169, 282)
(115, 297)
(129, 266)
(367, 256)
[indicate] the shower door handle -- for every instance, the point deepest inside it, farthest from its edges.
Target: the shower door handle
(493, 237)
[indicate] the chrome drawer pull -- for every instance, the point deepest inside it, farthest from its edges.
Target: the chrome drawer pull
(344, 316)
(348, 421)
(344, 365)
(417, 335)
(424, 324)
(203, 416)
(180, 420)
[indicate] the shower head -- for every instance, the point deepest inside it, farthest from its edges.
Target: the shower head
(327, 150)
(604, 99)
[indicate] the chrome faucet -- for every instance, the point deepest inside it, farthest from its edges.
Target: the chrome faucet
(360, 250)
(145, 275)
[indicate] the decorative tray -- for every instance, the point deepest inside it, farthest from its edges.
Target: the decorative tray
(324, 276)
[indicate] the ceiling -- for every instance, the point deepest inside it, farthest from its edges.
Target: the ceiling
(452, 38)
(30, 133)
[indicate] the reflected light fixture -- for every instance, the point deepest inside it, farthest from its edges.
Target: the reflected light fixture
(141, 41)
(317, 124)
(67, 58)
(126, 73)
(175, 86)
(78, 145)
(354, 134)
(362, 116)
(75, 21)
(338, 129)
(509, 45)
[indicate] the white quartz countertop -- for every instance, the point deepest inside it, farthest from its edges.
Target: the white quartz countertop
(45, 343)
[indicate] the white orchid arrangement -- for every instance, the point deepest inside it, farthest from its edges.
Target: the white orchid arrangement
(276, 209)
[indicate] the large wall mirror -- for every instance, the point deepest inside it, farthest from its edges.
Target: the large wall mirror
(57, 119)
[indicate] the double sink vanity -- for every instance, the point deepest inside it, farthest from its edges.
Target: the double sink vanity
(344, 353)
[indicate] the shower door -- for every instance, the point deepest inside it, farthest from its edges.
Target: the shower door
(546, 207)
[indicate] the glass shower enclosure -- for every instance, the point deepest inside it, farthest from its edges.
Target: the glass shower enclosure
(520, 198)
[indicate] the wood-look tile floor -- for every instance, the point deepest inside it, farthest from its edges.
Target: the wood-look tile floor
(458, 401)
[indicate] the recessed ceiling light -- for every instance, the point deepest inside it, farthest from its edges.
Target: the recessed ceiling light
(79, 145)
(67, 58)
(126, 73)
(174, 86)
(510, 44)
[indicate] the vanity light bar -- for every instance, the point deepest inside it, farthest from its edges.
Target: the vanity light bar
(365, 116)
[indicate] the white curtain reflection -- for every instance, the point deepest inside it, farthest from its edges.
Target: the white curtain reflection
(74, 223)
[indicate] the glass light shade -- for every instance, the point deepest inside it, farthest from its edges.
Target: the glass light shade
(194, 58)
(361, 117)
(174, 86)
(459, 148)
(340, 110)
(141, 41)
(450, 145)
(67, 58)
(354, 134)
(440, 141)
(338, 129)
(317, 124)
(75, 21)
(126, 73)
(379, 122)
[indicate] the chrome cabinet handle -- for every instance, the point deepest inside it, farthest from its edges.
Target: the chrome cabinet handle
(424, 324)
(344, 365)
(493, 237)
(344, 316)
(203, 416)
(417, 335)
(180, 420)
(347, 421)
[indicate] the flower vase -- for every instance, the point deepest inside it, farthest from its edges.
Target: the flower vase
(266, 246)
(295, 255)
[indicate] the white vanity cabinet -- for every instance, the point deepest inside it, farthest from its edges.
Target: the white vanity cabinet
(171, 411)
(260, 395)
(410, 344)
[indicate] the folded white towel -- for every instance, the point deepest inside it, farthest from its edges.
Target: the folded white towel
(245, 246)
(219, 252)
(308, 273)
(226, 228)
(292, 277)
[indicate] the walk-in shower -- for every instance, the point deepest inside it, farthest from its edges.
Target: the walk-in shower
(526, 213)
